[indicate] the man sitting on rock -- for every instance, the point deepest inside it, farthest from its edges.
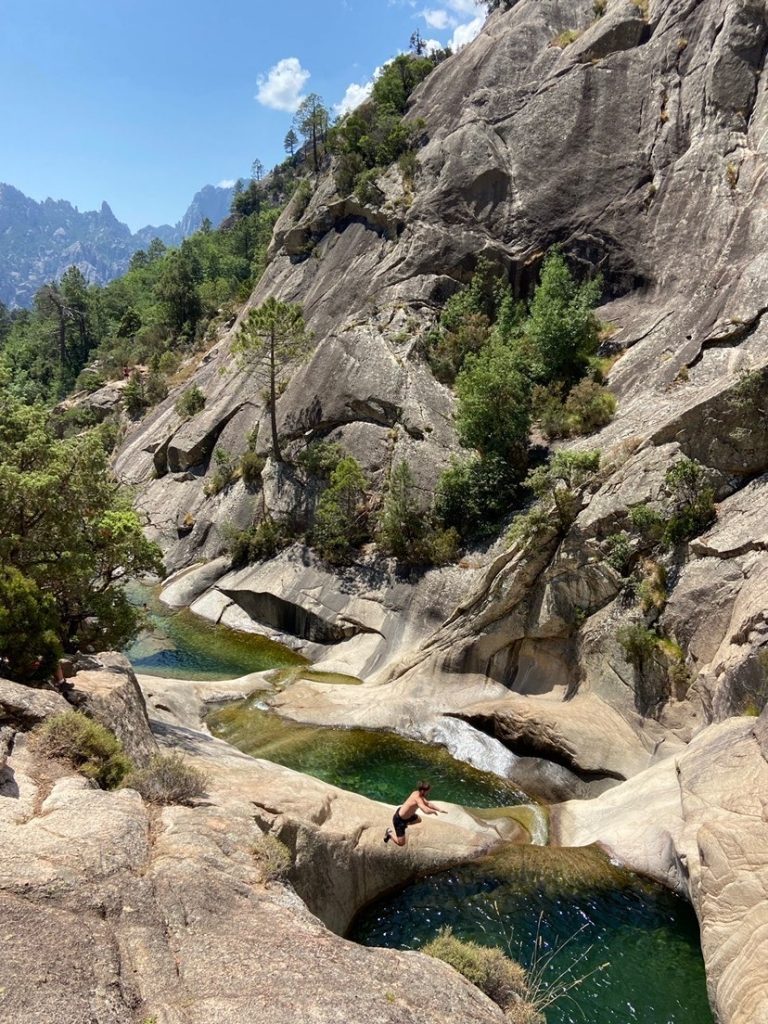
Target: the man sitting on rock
(406, 815)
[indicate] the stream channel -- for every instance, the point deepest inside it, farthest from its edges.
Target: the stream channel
(552, 909)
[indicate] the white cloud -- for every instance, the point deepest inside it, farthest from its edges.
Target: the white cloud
(439, 19)
(226, 183)
(281, 88)
(353, 97)
(431, 46)
(466, 33)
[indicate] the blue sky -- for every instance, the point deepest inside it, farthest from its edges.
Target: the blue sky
(142, 102)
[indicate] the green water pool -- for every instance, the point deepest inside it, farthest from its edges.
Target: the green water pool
(180, 645)
(526, 899)
(524, 902)
(382, 766)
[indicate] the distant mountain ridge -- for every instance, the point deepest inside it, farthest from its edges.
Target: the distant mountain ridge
(39, 241)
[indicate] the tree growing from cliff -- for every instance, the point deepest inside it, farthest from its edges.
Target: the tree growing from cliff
(341, 522)
(494, 405)
(312, 120)
(275, 332)
(561, 333)
(402, 526)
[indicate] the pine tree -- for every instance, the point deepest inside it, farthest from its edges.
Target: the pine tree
(275, 330)
(311, 120)
(290, 142)
(401, 526)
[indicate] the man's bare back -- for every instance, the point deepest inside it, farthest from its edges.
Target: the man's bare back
(406, 815)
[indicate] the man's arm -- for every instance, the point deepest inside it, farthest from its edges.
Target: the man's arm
(426, 806)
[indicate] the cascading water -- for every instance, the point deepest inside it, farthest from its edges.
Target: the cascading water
(527, 899)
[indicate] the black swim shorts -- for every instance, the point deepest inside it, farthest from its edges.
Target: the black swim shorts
(401, 824)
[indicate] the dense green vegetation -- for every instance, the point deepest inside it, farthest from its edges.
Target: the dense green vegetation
(67, 539)
(511, 367)
(156, 313)
(499, 355)
(375, 135)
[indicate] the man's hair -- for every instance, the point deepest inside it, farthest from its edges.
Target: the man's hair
(424, 786)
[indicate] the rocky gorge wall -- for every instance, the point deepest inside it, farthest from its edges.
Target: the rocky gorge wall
(640, 149)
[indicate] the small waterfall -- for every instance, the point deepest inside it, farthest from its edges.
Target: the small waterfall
(468, 744)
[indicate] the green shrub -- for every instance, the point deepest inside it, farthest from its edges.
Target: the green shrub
(259, 542)
(532, 525)
(168, 779)
(302, 195)
(320, 458)
(190, 403)
(619, 552)
(588, 407)
(647, 522)
(409, 166)
(693, 501)
(251, 467)
(562, 481)
(638, 643)
(503, 980)
(273, 857)
(90, 748)
(341, 522)
(442, 545)
(90, 381)
(223, 474)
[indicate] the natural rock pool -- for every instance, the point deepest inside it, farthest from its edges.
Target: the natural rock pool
(181, 645)
(379, 765)
(528, 900)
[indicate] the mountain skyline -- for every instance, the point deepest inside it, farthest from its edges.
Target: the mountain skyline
(39, 241)
(140, 102)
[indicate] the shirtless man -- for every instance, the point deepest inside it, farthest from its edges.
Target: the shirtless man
(406, 815)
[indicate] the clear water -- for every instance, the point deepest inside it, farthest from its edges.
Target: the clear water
(526, 899)
(181, 645)
(382, 766)
(647, 938)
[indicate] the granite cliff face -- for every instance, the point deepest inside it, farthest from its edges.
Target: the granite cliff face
(40, 241)
(640, 149)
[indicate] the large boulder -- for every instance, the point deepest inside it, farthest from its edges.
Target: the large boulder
(697, 823)
(107, 690)
(113, 914)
